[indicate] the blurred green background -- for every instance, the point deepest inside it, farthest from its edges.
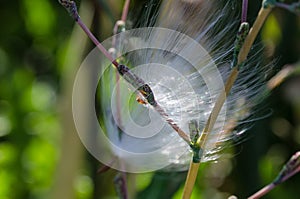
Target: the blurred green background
(40, 153)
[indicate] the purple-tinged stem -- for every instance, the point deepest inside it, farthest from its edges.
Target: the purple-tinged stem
(282, 5)
(125, 10)
(293, 7)
(97, 43)
(72, 9)
(124, 185)
(105, 168)
(244, 11)
(291, 174)
(290, 168)
(263, 191)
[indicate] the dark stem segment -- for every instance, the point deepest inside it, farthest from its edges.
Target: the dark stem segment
(244, 11)
(194, 136)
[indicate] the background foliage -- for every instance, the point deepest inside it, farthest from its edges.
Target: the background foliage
(40, 154)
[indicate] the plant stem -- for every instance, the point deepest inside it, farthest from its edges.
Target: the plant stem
(96, 42)
(244, 11)
(118, 96)
(217, 107)
(282, 5)
(125, 10)
(179, 131)
(263, 191)
(189, 184)
(262, 15)
(289, 169)
(291, 174)
(120, 23)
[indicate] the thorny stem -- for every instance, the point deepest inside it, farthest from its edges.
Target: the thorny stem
(262, 15)
(72, 9)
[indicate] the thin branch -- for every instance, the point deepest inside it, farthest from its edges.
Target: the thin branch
(244, 11)
(294, 7)
(262, 15)
(289, 169)
(280, 77)
(125, 10)
(263, 191)
(97, 43)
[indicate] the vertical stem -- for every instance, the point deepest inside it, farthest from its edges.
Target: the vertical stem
(125, 10)
(244, 11)
(262, 15)
(118, 102)
(189, 184)
(115, 31)
(191, 177)
(124, 185)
